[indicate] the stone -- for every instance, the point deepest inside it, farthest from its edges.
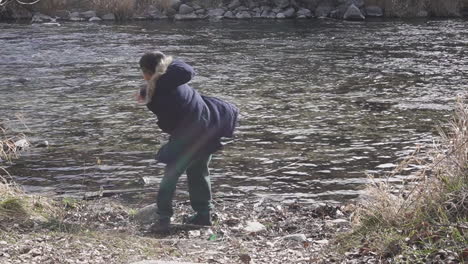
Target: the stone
(339, 222)
(175, 4)
(339, 12)
(280, 16)
(296, 237)
(281, 3)
(234, 4)
(243, 15)
(185, 9)
(304, 12)
(161, 262)
(88, 14)
(22, 144)
(39, 18)
(290, 12)
(374, 11)
(95, 19)
(62, 14)
(146, 215)
(200, 11)
(157, 14)
(190, 16)
(229, 15)
(196, 6)
(265, 8)
(353, 13)
(74, 14)
(76, 19)
(109, 16)
(422, 13)
(254, 227)
(310, 4)
(170, 12)
(323, 10)
(216, 12)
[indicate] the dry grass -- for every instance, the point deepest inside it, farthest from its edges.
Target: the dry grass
(427, 214)
(412, 8)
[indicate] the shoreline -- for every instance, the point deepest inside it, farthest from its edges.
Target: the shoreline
(128, 10)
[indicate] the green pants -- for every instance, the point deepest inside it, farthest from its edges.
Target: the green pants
(198, 177)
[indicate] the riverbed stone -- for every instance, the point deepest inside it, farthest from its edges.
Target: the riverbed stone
(243, 15)
(88, 14)
(108, 17)
(95, 19)
(185, 9)
(200, 11)
(296, 237)
(170, 12)
(190, 16)
(216, 12)
(304, 13)
(310, 4)
(289, 12)
(323, 10)
(339, 12)
(229, 14)
(146, 215)
(353, 13)
(280, 16)
(175, 4)
(281, 3)
(254, 227)
(234, 4)
(374, 11)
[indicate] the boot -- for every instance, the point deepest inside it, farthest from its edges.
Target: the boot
(161, 226)
(200, 219)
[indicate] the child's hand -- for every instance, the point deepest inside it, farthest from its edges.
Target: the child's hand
(141, 95)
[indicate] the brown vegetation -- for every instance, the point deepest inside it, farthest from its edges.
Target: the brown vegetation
(427, 218)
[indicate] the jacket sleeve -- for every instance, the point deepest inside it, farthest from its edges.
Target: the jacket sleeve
(177, 73)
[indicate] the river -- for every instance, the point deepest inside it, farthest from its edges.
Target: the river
(323, 102)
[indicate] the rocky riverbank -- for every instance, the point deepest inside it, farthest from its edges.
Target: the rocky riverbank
(95, 10)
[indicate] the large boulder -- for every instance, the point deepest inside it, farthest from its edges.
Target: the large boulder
(190, 16)
(374, 11)
(108, 17)
(289, 12)
(243, 15)
(229, 15)
(310, 4)
(88, 14)
(323, 10)
(216, 12)
(281, 3)
(339, 12)
(146, 215)
(234, 4)
(185, 9)
(304, 13)
(353, 13)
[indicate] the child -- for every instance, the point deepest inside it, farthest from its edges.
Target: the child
(195, 124)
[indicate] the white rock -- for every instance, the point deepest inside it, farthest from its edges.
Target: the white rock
(254, 227)
(94, 19)
(109, 16)
(296, 237)
(194, 233)
(216, 12)
(186, 17)
(88, 14)
(22, 144)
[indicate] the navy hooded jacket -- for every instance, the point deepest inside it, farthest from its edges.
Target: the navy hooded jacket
(194, 122)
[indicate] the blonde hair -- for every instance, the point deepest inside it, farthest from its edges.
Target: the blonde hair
(162, 62)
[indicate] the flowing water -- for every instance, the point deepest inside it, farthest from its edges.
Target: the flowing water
(323, 102)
